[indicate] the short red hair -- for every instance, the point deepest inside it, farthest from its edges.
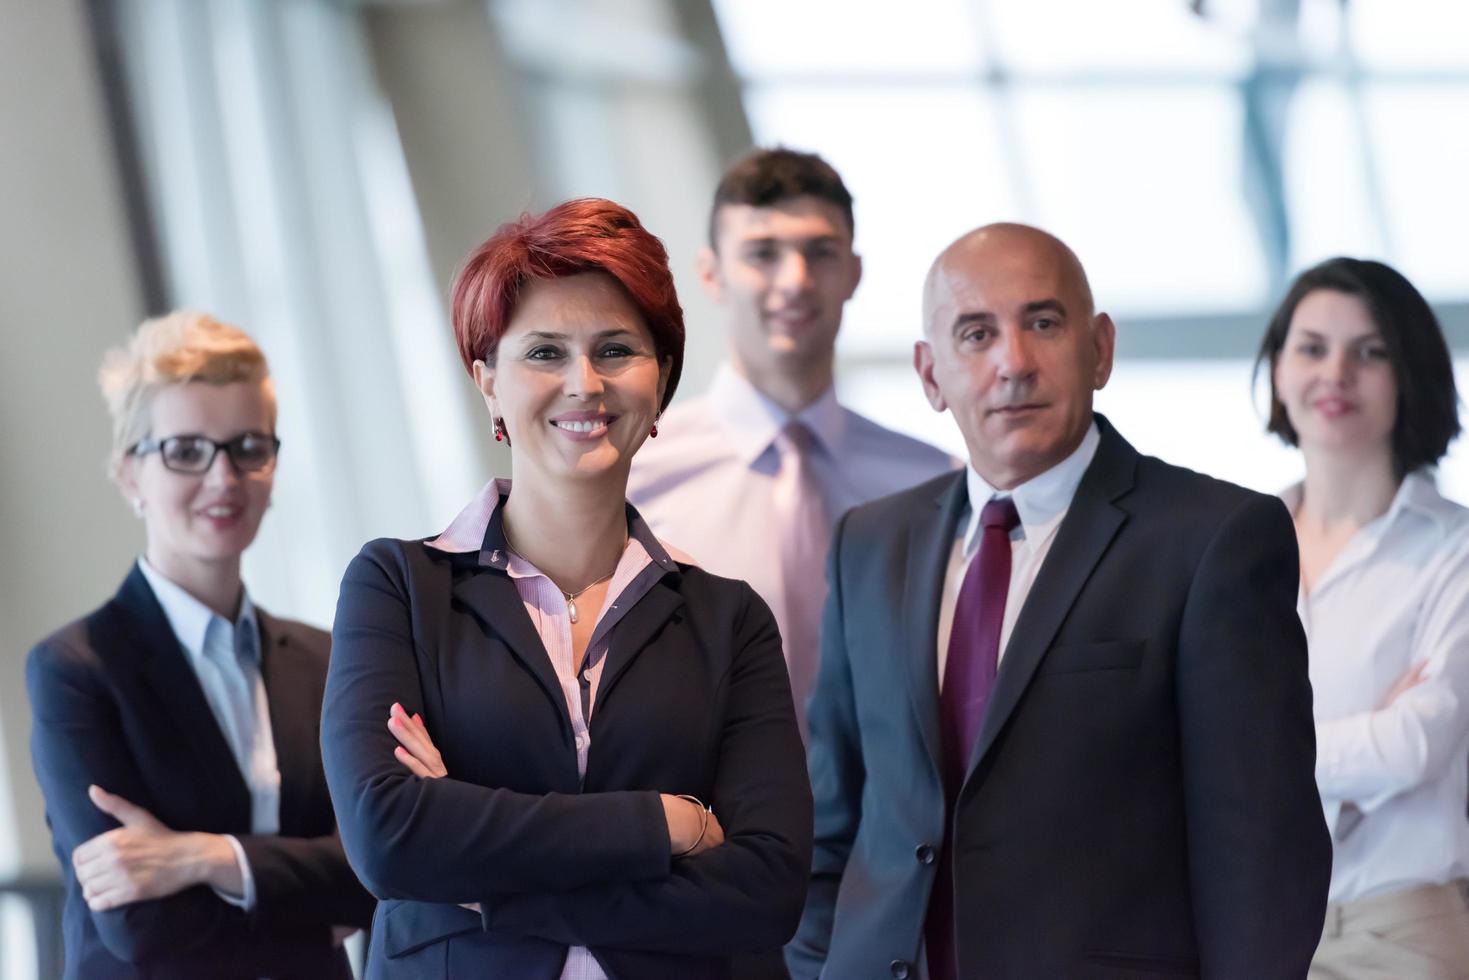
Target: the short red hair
(585, 235)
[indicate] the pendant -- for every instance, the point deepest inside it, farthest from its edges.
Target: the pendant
(570, 607)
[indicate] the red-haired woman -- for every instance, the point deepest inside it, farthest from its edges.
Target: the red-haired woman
(590, 766)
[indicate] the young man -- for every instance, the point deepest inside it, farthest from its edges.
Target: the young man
(750, 478)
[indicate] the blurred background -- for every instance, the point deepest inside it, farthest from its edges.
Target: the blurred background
(313, 171)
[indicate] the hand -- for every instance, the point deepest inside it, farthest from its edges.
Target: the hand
(415, 749)
(1407, 682)
(142, 859)
(684, 822)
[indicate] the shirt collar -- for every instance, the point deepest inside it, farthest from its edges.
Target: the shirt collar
(1042, 499)
(467, 530)
(752, 420)
(480, 527)
(1417, 494)
(190, 618)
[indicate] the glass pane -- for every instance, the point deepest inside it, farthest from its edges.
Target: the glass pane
(1322, 29)
(1421, 140)
(1199, 414)
(891, 394)
(823, 37)
(1145, 184)
(923, 164)
(1132, 35)
(1326, 188)
(1411, 34)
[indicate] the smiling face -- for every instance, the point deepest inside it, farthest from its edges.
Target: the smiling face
(200, 519)
(1013, 350)
(1334, 376)
(783, 273)
(576, 377)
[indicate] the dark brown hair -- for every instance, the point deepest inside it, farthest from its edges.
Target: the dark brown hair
(1428, 401)
(768, 177)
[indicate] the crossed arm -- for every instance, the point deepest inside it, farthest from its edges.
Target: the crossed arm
(1369, 757)
(149, 887)
(589, 869)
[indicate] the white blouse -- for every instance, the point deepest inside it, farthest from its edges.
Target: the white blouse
(1394, 778)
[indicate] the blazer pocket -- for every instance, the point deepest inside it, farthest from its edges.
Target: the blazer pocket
(1075, 658)
(410, 926)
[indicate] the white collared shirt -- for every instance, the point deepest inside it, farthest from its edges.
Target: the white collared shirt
(705, 484)
(1394, 778)
(1042, 502)
(225, 657)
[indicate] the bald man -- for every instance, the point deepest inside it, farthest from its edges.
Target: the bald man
(1062, 725)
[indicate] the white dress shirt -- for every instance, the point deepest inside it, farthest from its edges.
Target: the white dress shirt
(1394, 777)
(1042, 502)
(705, 484)
(225, 657)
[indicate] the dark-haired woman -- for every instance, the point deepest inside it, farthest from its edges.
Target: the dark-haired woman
(555, 750)
(1363, 385)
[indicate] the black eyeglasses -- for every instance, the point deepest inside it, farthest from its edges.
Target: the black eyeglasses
(249, 451)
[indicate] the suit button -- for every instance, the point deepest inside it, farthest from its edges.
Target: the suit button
(924, 854)
(900, 969)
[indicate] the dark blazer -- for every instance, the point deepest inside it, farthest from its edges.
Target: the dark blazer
(116, 703)
(694, 698)
(1140, 801)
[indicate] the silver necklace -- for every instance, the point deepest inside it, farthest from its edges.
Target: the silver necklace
(570, 596)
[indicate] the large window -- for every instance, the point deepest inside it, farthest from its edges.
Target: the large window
(1194, 161)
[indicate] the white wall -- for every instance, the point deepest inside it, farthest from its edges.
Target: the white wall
(67, 291)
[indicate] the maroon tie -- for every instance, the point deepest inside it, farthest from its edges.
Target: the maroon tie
(969, 677)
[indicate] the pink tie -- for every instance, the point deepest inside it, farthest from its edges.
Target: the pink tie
(803, 531)
(969, 677)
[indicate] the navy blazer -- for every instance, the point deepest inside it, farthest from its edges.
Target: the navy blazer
(694, 698)
(116, 703)
(1141, 799)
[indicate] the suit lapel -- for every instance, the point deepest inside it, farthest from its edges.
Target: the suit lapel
(1091, 522)
(930, 543)
(635, 630)
(294, 722)
(491, 596)
(165, 667)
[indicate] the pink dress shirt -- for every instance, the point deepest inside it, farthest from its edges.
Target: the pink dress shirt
(644, 561)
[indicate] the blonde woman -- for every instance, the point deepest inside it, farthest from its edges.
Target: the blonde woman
(175, 727)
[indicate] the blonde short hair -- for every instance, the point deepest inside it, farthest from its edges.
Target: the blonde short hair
(174, 349)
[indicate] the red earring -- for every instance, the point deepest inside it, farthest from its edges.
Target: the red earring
(500, 434)
(653, 432)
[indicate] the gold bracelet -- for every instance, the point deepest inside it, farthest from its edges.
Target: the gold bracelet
(703, 825)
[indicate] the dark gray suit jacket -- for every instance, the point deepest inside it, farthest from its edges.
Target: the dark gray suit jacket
(1140, 800)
